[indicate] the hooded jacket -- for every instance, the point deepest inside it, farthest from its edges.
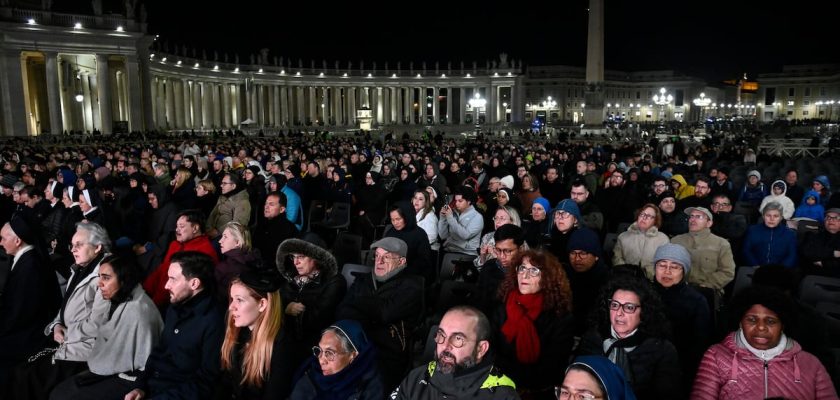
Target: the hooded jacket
(419, 256)
(684, 190)
(482, 381)
(787, 205)
(763, 245)
(729, 371)
(815, 211)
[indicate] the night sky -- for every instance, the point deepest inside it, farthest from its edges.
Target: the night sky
(711, 39)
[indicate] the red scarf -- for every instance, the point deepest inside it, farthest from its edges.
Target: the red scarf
(522, 310)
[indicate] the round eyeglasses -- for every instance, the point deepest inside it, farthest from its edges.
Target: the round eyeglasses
(330, 355)
(628, 308)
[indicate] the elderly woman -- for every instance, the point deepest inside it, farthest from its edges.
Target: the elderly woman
(311, 291)
(125, 338)
(685, 307)
(770, 241)
(630, 329)
(235, 245)
(594, 377)
(74, 329)
(343, 367)
(758, 359)
(255, 353)
(504, 215)
(426, 217)
(638, 244)
(535, 318)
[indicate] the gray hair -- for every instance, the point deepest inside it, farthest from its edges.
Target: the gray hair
(513, 214)
(346, 345)
(97, 235)
(773, 205)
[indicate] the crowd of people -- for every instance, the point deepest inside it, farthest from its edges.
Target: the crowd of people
(209, 268)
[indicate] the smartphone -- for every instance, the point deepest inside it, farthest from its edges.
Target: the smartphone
(448, 199)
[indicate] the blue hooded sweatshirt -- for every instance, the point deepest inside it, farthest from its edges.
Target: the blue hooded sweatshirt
(815, 212)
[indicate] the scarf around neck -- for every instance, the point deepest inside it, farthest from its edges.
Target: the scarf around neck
(522, 310)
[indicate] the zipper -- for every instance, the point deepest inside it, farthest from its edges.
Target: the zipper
(765, 379)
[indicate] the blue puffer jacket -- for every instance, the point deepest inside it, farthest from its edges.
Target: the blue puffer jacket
(764, 245)
(815, 212)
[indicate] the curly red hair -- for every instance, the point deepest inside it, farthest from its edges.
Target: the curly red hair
(553, 282)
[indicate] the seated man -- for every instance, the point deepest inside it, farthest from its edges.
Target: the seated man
(509, 240)
(186, 363)
(462, 227)
(591, 215)
(821, 250)
(587, 272)
(463, 365)
(712, 264)
(188, 237)
(388, 304)
(273, 229)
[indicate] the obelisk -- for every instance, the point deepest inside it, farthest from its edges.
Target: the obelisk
(593, 113)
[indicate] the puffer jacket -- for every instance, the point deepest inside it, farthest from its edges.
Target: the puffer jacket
(787, 204)
(730, 371)
(685, 189)
(482, 381)
(236, 207)
(815, 211)
(764, 245)
(712, 262)
(637, 247)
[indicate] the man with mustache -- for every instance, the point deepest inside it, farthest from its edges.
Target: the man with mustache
(463, 365)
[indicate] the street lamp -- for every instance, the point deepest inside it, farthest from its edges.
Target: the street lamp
(549, 103)
(662, 100)
(702, 102)
(477, 102)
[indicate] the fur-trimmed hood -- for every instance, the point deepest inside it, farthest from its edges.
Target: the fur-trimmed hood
(326, 262)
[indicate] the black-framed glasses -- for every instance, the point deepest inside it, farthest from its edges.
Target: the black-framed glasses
(628, 308)
(330, 355)
(528, 271)
(506, 252)
(457, 340)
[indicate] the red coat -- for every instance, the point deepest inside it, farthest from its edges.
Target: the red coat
(732, 372)
(156, 281)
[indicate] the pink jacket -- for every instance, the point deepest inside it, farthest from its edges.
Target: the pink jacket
(731, 372)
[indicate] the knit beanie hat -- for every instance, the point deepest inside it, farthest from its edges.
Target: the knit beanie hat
(585, 239)
(507, 181)
(754, 173)
(675, 253)
(570, 207)
(543, 202)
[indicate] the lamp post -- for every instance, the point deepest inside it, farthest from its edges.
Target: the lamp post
(477, 102)
(702, 102)
(549, 103)
(662, 100)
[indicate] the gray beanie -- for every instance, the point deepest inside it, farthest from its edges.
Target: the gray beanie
(675, 253)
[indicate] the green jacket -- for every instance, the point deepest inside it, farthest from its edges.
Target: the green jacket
(483, 381)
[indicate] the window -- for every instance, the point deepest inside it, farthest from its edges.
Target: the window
(804, 112)
(807, 92)
(822, 91)
(806, 103)
(638, 95)
(769, 96)
(790, 112)
(791, 92)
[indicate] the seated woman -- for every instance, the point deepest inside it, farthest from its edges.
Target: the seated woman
(770, 241)
(486, 250)
(311, 290)
(638, 244)
(426, 217)
(255, 353)
(538, 225)
(343, 367)
(235, 245)
(630, 329)
(534, 322)
(758, 359)
(594, 377)
(74, 329)
(674, 221)
(404, 226)
(124, 340)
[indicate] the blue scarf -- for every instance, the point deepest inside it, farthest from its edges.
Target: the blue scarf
(341, 385)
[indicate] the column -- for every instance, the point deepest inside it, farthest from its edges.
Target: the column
(422, 101)
(177, 87)
(198, 111)
(91, 100)
(313, 115)
(378, 101)
(155, 105)
(517, 99)
(217, 109)
(11, 90)
(188, 112)
(462, 105)
(142, 96)
(226, 108)
(435, 105)
(278, 117)
(103, 74)
(449, 105)
(284, 105)
(491, 104)
(351, 106)
(300, 115)
(398, 106)
(268, 91)
(53, 92)
(407, 117)
(170, 103)
(366, 97)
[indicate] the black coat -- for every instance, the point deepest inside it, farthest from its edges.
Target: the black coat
(28, 302)
(688, 312)
(652, 368)
(278, 383)
(52, 222)
(556, 341)
(820, 246)
(419, 256)
(585, 288)
(269, 233)
(186, 364)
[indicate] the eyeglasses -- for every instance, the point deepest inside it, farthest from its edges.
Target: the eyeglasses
(298, 256)
(563, 394)
(696, 216)
(457, 340)
(497, 219)
(671, 267)
(646, 216)
(721, 204)
(385, 257)
(834, 218)
(628, 308)
(528, 271)
(328, 354)
(579, 254)
(562, 214)
(506, 252)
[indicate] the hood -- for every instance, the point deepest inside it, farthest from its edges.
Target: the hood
(824, 180)
(409, 215)
(679, 178)
(161, 193)
(69, 176)
(326, 262)
(810, 193)
(610, 375)
(777, 183)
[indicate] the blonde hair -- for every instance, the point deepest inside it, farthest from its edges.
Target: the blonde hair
(182, 174)
(240, 233)
(256, 358)
(208, 185)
